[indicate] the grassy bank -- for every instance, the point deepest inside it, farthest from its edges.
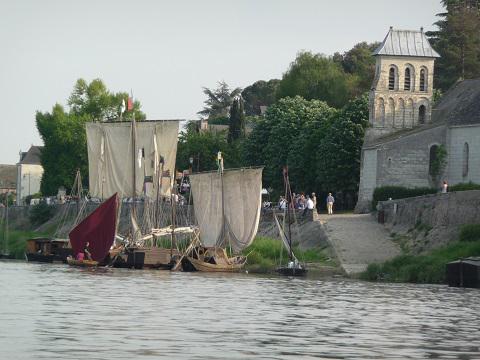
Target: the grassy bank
(17, 241)
(265, 254)
(428, 268)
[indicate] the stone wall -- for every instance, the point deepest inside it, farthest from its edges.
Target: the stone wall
(463, 161)
(426, 222)
(401, 161)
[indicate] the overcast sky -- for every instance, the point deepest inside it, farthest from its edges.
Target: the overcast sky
(165, 51)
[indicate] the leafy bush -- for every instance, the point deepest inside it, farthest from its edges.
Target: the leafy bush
(421, 268)
(470, 232)
(464, 187)
(399, 192)
(40, 213)
(264, 254)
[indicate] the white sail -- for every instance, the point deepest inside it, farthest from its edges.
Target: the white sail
(242, 205)
(110, 152)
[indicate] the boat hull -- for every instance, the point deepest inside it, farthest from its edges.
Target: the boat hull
(34, 257)
(200, 265)
(82, 263)
(146, 258)
(291, 271)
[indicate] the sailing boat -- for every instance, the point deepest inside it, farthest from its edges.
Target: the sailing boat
(5, 254)
(98, 230)
(293, 267)
(227, 206)
(133, 159)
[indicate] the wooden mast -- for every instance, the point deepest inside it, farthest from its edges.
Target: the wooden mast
(288, 196)
(134, 172)
(220, 169)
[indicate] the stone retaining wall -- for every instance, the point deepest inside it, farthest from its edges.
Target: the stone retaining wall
(432, 220)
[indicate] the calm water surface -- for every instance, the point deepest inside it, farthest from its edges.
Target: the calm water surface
(58, 312)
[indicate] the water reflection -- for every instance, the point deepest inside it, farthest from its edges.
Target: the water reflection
(55, 312)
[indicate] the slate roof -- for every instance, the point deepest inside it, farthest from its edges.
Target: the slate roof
(8, 176)
(406, 43)
(32, 156)
(460, 105)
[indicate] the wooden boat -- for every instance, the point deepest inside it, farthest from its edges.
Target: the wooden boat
(227, 208)
(98, 230)
(47, 250)
(213, 259)
(82, 263)
(145, 171)
(293, 267)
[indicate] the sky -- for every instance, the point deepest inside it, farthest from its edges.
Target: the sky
(166, 51)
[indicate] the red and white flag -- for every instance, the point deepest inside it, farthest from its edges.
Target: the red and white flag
(130, 104)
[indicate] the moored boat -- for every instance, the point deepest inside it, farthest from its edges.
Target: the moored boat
(98, 230)
(47, 250)
(293, 266)
(82, 263)
(227, 206)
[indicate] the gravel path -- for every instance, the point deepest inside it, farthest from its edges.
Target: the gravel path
(358, 240)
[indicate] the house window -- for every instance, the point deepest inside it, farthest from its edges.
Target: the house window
(422, 80)
(433, 159)
(465, 160)
(391, 79)
(408, 81)
(422, 113)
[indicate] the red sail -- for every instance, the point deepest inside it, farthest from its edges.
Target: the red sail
(98, 229)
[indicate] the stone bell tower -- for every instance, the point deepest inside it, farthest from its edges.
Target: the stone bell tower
(400, 99)
(401, 94)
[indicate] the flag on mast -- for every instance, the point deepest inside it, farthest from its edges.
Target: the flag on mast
(122, 107)
(130, 104)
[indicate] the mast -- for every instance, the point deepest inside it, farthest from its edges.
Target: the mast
(6, 225)
(288, 197)
(159, 181)
(174, 206)
(134, 172)
(220, 169)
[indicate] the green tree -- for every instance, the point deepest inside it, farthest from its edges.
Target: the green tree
(218, 101)
(260, 93)
(359, 62)
(236, 128)
(202, 147)
(278, 140)
(99, 104)
(63, 132)
(458, 42)
(338, 151)
(317, 77)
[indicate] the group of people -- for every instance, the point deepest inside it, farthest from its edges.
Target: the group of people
(306, 202)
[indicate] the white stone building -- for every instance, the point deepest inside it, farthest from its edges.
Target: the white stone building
(29, 174)
(405, 132)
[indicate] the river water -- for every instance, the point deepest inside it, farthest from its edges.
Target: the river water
(59, 312)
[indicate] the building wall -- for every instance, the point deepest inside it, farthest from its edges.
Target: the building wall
(463, 166)
(28, 181)
(403, 161)
(368, 178)
(392, 110)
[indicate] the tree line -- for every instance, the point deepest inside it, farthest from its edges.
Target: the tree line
(315, 117)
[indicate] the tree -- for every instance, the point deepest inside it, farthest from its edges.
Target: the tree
(260, 93)
(95, 101)
(202, 147)
(63, 132)
(279, 139)
(458, 42)
(359, 62)
(218, 101)
(317, 77)
(236, 128)
(339, 150)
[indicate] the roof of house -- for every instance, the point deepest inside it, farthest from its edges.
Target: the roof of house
(32, 156)
(8, 176)
(460, 105)
(406, 43)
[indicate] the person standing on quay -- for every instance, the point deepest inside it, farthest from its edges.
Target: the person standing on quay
(330, 201)
(314, 199)
(444, 187)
